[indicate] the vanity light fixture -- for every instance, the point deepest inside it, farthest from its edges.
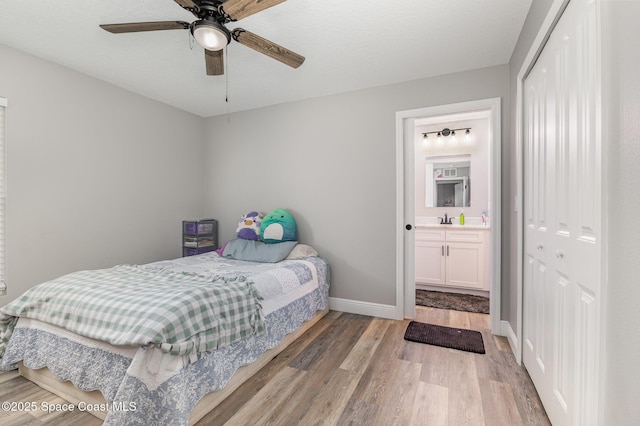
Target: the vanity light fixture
(467, 137)
(446, 132)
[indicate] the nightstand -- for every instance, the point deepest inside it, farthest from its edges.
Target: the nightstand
(199, 236)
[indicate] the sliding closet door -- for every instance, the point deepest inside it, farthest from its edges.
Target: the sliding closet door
(562, 200)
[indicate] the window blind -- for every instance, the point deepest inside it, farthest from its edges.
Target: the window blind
(3, 193)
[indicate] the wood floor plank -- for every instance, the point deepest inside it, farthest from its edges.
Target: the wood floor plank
(340, 335)
(321, 359)
(502, 343)
(465, 402)
(491, 365)
(373, 383)
(431, 406)
(434, 365)
(432, 315)
(498, 404)
(459, 319)
(17, 385)
(396, 403)
(18, 419)
(248, 390)
(361, 354)
(48, 399)
(332, 399)
(354, 370)
(525, 395)
(261, 406)
(357, 413)
(8, 375)
(479, 321)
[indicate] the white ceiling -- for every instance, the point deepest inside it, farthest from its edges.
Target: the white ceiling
(348, 45)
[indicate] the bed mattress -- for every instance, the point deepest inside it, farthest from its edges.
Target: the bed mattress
(163, 388)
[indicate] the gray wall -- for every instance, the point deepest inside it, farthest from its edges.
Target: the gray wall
(97, 176)
(91, 167)
(332, 162)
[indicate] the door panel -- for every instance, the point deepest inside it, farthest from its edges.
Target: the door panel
(562, 198)
(465, 265)
(430, 262)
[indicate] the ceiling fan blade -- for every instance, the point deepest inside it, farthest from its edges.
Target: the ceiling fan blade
(135, 27)
(214, 62)
(267, 47)
(187, 4)
(238, 9)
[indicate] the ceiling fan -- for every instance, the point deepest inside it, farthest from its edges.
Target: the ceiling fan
(210, 32)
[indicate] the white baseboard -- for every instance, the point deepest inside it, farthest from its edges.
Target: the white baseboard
(363, 308)
(507, 331)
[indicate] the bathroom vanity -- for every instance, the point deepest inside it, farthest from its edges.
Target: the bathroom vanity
(454, 256)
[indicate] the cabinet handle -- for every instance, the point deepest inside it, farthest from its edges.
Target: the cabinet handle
(447, 250)
(559, 254)
(540, 246)
(442, 250)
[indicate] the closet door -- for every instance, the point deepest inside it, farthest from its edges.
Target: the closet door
(562, 201)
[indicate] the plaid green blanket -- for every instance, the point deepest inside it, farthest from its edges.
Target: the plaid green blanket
(179, 313)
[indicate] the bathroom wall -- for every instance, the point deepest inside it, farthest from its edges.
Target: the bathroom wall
(477, 146)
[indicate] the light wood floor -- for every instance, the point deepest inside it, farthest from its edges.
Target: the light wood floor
(357, 370)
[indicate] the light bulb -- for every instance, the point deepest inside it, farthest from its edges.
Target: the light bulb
(210, 35)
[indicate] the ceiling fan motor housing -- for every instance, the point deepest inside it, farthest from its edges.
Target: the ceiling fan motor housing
(210, 34)
(209, 30)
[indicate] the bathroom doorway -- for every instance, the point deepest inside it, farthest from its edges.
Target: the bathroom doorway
(468, 149)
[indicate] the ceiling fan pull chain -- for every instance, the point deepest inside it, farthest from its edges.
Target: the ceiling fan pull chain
(190, 37)
(226, 76)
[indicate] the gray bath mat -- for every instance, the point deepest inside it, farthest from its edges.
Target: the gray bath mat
(448, 337)
(457, 302)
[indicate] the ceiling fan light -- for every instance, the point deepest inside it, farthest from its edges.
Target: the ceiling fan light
(210, 35)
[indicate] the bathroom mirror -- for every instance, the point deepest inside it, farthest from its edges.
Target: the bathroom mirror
(447, 181)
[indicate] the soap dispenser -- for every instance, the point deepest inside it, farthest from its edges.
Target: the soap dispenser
(461, 218)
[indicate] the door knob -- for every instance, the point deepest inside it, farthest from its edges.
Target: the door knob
(408, 227)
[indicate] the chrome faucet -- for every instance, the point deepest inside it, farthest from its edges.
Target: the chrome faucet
(445, 220)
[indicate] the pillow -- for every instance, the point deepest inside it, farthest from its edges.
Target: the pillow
(249, 226)
(257, 251)
(221, 249)
(278, 226)
(300, 251)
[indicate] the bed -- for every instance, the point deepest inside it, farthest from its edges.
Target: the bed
(168, 383)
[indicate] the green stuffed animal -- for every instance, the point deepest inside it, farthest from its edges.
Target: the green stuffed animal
(278, 226)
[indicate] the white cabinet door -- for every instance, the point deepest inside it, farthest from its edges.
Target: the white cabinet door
(430, 267)
(465, 265)
(430, 262)
(465, 252)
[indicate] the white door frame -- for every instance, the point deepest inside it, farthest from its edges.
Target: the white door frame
(405, 300)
